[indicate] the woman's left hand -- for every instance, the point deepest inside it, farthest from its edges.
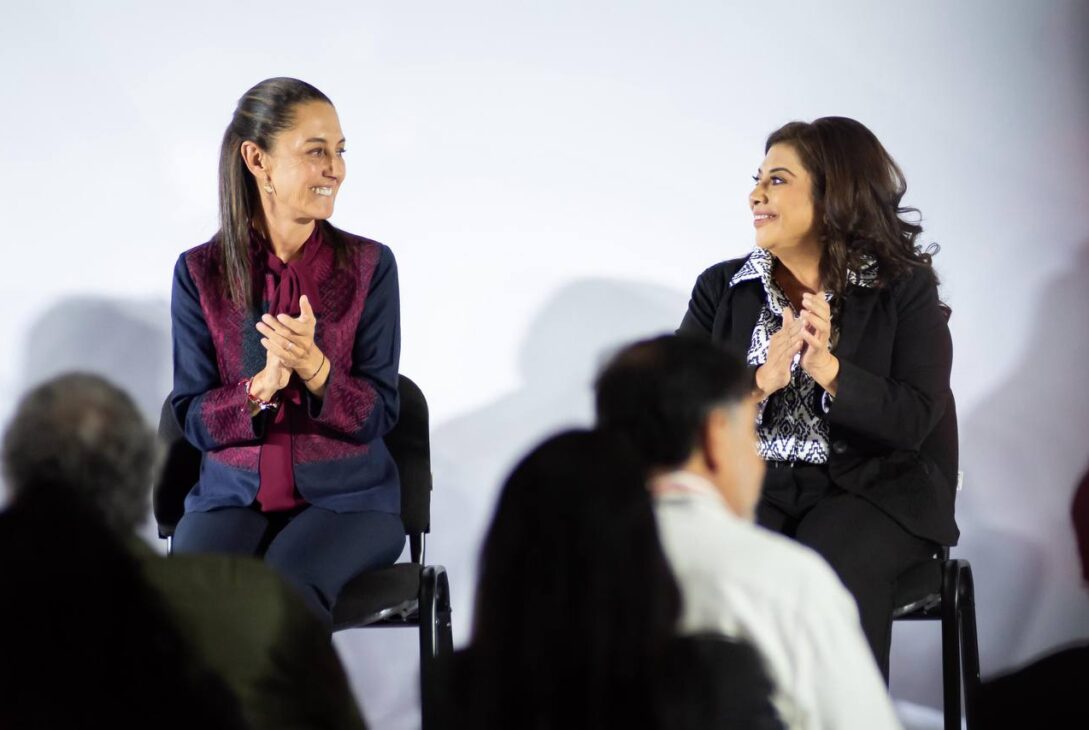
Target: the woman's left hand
(292, 339)
(817, 358)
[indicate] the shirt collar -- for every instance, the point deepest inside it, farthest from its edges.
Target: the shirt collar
(685, 486)
(759, 265)
(686, 482)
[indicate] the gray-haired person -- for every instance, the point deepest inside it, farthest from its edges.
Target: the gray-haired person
(82, 437)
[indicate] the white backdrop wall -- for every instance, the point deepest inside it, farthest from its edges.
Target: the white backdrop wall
(552, 178)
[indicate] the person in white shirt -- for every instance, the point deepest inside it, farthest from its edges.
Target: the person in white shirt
(688, 407)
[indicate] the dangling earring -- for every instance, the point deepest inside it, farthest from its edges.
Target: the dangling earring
(268, 185)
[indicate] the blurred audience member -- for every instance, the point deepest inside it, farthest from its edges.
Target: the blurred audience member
(576, 611)
(99, 619)
(688, 407)
(84, 641)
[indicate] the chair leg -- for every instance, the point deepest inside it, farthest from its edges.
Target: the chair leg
(444, 637)
(435, 635)
(436, 638)
(970, 642)
(951, 648)
(427, 614)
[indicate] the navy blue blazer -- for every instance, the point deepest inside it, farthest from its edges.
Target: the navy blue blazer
(893, 425)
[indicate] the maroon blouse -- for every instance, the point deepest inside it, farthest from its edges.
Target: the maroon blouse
(284, 284)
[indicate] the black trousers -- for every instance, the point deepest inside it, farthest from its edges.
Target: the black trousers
(867, 548)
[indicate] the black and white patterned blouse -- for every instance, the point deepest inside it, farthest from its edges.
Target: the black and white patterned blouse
(798, 430)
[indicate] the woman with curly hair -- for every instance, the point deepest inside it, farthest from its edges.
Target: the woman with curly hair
(837, 309)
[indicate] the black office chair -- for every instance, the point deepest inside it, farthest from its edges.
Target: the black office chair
(941, 589)
(405, 594)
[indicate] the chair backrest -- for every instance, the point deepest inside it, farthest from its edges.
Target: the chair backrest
(178, 474)
(409, 443)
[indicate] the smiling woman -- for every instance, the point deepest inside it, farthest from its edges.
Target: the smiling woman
(286, 345)
(837, 310)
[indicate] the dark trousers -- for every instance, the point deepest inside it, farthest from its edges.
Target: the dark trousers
(315, 550)
(866, 547)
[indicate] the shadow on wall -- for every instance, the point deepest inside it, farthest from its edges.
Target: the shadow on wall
(565, 344)
(1023, 451)
(127, 342)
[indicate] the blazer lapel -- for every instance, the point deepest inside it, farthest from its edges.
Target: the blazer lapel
(858, 305)
(743, 304)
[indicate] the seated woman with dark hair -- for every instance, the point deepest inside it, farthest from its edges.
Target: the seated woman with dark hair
(837, 310)
(287, 339)
(576, 611)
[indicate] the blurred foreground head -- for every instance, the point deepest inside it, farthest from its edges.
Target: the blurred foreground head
(574, 590)
(81, 432)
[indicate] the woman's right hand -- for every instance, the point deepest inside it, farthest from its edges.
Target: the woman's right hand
(271, 379)
(774, 374)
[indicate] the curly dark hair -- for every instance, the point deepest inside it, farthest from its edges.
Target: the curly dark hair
(857, 190)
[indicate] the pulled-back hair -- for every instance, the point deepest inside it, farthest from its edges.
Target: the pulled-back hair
(261, 115)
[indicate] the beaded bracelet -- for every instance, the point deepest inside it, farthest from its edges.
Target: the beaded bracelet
(262, 405)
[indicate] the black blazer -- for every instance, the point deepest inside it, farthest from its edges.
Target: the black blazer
(893, 425)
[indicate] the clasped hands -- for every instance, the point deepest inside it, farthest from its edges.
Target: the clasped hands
(289, 348)
(809, 333)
